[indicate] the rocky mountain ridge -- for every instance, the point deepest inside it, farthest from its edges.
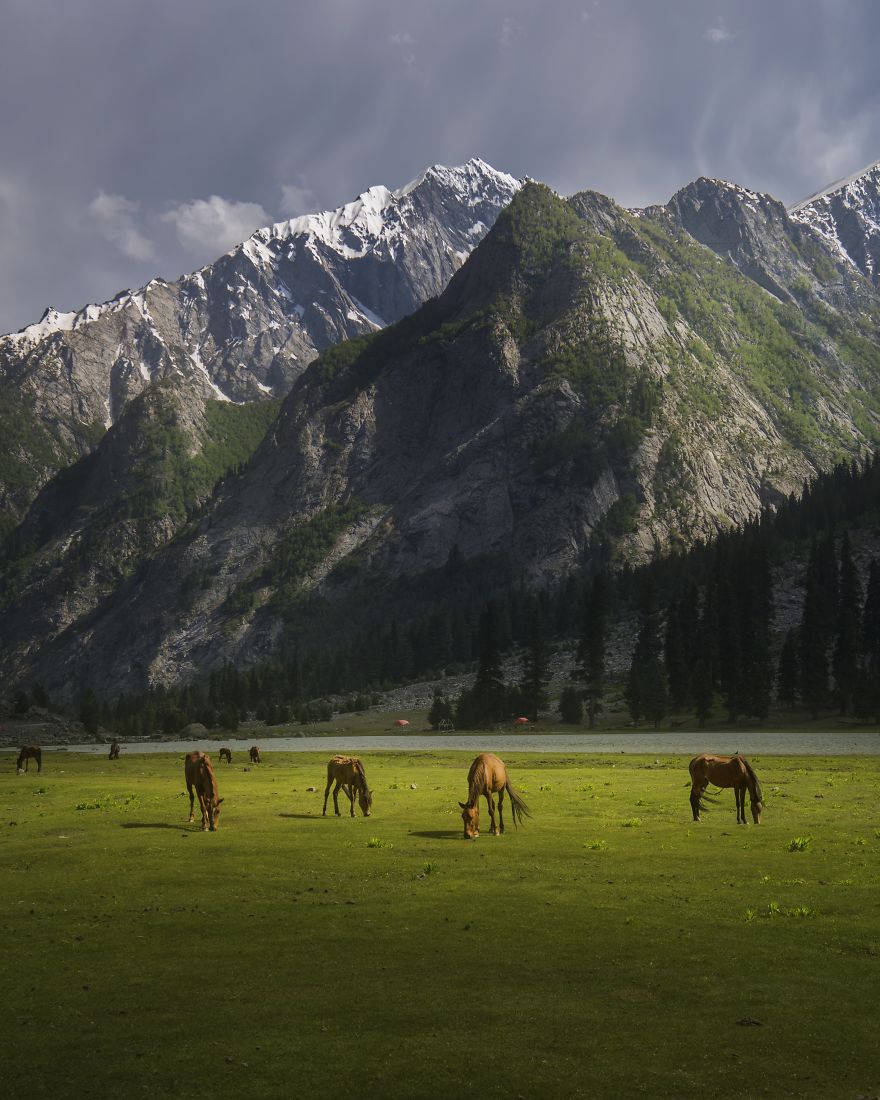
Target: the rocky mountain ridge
(240, 329)
(592, 382)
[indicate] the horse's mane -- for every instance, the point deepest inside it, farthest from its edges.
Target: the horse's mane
(212, 779)
(750, 771)
(358, 767)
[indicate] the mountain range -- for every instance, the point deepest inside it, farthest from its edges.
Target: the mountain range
(592, 383)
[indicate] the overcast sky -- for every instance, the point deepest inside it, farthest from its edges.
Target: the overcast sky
(142, 138)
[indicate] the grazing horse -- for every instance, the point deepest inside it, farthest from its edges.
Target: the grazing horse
(200, 777)
(226, 754)
(114, 751)
(726, 771)
(255, 755)
(349, 774)
(488, 776)
(28, 753)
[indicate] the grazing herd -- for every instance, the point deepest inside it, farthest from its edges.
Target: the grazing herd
(487, 777)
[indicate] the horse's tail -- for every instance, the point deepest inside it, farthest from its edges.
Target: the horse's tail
(518, 808)
(703, 801)
(755, 786)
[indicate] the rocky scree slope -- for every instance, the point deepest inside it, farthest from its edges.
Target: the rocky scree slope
(243, 328)
(592, 381)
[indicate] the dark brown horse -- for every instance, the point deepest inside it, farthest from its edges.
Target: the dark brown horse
(114, 751)
(255, 755)
(488, 776)
(200, 779)
(726, 771)
(226, 754)
(349, 774)
(28, 753)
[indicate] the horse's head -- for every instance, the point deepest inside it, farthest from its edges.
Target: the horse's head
(365, 801)
(470, 815)
(757, 809)
(214, 814)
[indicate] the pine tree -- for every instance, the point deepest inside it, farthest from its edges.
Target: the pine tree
(646, 694)
(486, 702)
(870, 695)
(847, 658)
(591, 652)
(571, 709)
(536, 675)
(814, 637)
(788, 676)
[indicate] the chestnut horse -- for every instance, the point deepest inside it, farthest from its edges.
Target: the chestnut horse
(27, 754)
(349, 774)
(488, 776)
(200, 776)
(114, 751)
(726, 771)
(226, 754)
(255, 755)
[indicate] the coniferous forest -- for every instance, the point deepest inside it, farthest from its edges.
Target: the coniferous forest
(711, 639)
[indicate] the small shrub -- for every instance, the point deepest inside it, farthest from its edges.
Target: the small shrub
(799, 843)
(632, 823)
(375, 842)
(750, 914)
(800, 911)
(596, 845)
(428, 867)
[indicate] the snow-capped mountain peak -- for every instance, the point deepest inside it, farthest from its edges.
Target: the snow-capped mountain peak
(847, 215)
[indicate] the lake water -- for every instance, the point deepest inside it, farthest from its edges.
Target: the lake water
(774, 743)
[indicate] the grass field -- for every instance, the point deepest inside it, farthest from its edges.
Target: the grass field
(610, 948)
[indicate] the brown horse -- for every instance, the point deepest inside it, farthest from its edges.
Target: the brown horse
(114, 751)
(726, 771)
(488, 776)
(226, 754)
(28, 753)
(349, 774)
(200, 777)
(255, 755)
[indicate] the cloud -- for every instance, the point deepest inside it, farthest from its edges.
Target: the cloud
(718, 34)
(297, 198)
(402, 38)
(214, 225)
(509, 31)
(115, 217)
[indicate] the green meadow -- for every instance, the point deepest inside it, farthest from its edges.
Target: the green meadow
(609, 948)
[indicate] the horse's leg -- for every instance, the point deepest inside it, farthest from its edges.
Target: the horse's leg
(336, 798)
(326, 793)
(493, 828)
(191, 800)
(695, 800)
(204, 808)
(501, 811)
(741, 805)
(349, 790)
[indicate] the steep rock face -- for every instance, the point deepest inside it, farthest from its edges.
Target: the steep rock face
(243, 328)
(847, 216)
(591, 381)
(754, 231)
(94, 524)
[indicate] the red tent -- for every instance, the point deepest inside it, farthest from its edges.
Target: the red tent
(521, 722)
(401, 722)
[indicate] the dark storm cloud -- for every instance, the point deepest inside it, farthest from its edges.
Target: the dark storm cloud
(147, 138)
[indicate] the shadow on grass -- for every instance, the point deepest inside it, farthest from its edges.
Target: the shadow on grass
(303, 817)
(440, 834)
(152, 825)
